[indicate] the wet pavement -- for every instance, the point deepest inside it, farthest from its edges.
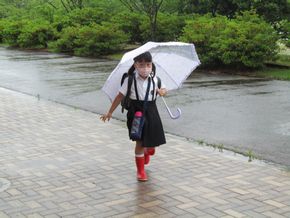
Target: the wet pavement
(242, 113)
(58, 162)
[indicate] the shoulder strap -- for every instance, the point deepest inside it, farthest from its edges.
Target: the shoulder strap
(136, 90)
(158, 85)
(130, 80)
(146, 96)
(123, 78)
(153, 90)
(159, 82)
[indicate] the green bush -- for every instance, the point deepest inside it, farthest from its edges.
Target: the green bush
(11, 31)
(204, 32)
(246, 41)
(26, 34)
(130, 23)
(92, 40)
(35, 35)
(2, 26)
(85, 16)
(169, 27)
(96, 40)
(66, 41)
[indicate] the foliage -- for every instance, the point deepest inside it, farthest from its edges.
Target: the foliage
(92, 40)
(148, 7)
(169, 27)
(11, 31)
(26, 34)
(75, 26)
(78, 17)
(2, 26)
(283, 28)
(247, 41)
(271, 10)
(130, 23)
(35, 35)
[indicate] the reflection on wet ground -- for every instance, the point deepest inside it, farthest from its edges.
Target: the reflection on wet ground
(243, 113)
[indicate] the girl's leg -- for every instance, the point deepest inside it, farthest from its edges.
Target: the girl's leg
(139, 148)
(140, 161)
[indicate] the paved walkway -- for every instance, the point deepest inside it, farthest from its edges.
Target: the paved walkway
(57, 161)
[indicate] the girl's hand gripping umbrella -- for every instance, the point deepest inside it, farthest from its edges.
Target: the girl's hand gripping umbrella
(163, 92)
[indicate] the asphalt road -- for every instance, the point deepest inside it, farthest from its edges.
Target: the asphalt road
(242, 113)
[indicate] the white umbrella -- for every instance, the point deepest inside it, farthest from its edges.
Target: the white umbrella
(174, 62)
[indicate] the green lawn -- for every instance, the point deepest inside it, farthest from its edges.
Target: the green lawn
(283, 60)
(274, 73)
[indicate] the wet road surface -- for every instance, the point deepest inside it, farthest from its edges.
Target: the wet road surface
(242, 113)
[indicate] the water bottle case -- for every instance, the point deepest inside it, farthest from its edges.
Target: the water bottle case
(137, 126)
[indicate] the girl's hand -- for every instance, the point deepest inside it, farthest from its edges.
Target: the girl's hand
(106, 116)
(162, 91)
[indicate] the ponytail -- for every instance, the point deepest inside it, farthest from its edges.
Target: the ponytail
(153, 70)
(131, 70)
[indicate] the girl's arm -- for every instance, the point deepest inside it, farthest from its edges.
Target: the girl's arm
(114, 105)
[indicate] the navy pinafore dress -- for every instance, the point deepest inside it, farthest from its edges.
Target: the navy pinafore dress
(153, 133)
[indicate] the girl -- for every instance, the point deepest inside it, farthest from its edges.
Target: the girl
(144, 79)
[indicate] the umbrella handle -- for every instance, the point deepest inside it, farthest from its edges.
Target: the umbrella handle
(176, 116)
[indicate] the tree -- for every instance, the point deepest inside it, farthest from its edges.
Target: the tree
(68, 5)
(271, 10)
(150, 8)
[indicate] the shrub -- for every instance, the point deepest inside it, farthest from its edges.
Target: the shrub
(130, 23)
(85, 16)
(35, 35)
(66, 41)
(169, 27)
(96, 40)
(11, 31)
(246, 41)
(2, 26)
(92, 40)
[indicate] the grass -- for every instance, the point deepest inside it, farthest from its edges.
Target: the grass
(280, 68)
(283, 60)
(248, 153)
(274, 73)
(116, 57)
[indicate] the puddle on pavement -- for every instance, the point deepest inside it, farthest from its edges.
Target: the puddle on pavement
(4, 184)
(283, 129)
(191, 83)
(219, 107)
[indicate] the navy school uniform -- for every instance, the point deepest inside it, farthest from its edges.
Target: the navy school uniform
(153, 133)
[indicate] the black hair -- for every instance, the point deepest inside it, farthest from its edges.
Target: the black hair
(147, 57)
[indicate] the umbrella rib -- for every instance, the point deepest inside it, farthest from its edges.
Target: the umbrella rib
(168, 74)
(158, 48)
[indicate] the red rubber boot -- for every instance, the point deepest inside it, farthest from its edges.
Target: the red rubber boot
(146, 156)
(141, 174)
(151, 151)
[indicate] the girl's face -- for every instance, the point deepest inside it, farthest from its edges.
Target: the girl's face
(143, 68)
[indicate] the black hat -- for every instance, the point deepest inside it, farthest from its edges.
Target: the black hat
(146, 56)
